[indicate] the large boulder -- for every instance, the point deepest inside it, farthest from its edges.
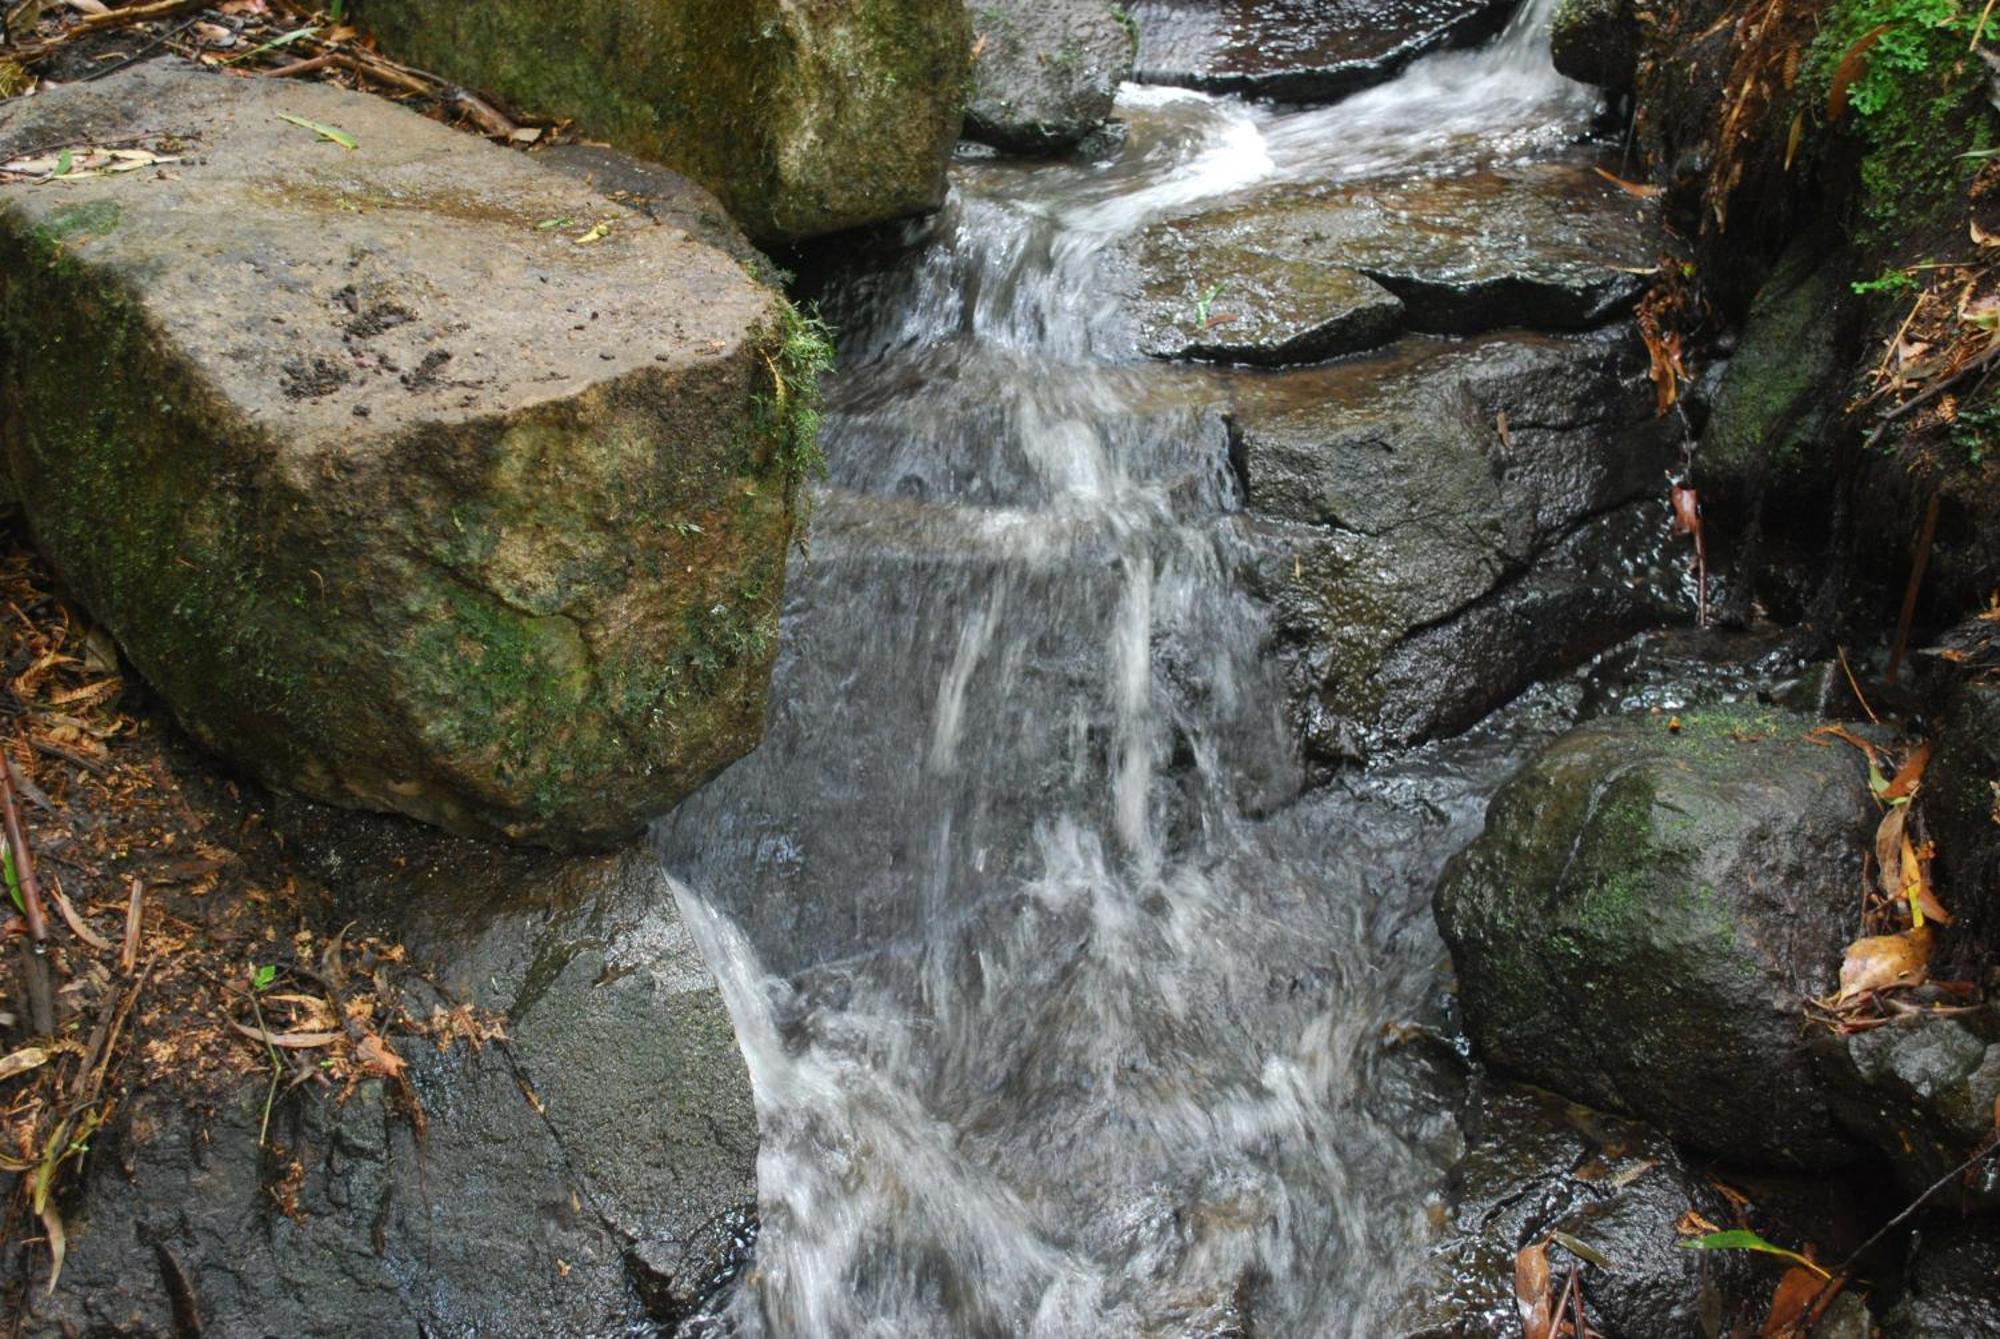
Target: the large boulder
(593, 1173)
(1044, 72)
(1434, 524)
(1645, 913)
(804, 118)
(415, 477)
(1300, 50)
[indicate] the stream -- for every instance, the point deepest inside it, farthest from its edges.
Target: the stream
(1070, 1007)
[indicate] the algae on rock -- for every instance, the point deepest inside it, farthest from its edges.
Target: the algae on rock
(804, 118)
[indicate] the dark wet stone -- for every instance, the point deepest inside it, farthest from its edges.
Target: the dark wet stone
(1535, 1164)
(1547, 247)
(1953, 1291)
(1596, 41)
(1645, 912)
(1264, 311)
(1299, 50)
(633, 1163)
(1922, 1091)
(1423, 565)
(1044, 72)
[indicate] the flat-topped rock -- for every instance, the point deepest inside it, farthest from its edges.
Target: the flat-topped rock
(1300, 50)
(1442, 523)
(1551, 246)
(804, 118)
(1044, 72)
(415, 476)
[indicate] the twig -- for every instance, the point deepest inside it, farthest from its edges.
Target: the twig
(307, 66)
(1859, 696)
(1931, 392)
(1925, 534)
(277, 1069)
(129, 955)
(491, 122)
(41, 998)
(91, 765)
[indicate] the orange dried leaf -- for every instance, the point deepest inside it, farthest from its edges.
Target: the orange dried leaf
(1884, 962)
(1531, 1292)
(1910, 775)
(1853, 64)
(376, 1057)
(1794, 1294)
(1643, 191)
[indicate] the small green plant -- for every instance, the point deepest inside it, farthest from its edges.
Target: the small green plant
(1204, 301)
(13, 879)
(1128, 23)
(1976, 431)
(1889, 281)
(260, 981)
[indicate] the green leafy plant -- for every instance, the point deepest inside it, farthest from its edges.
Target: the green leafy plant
(1890, 281)
(1744, 1240)
(1204, 301)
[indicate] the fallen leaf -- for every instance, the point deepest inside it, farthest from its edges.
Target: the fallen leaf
(596, 234)
(52, 1224)
(376, 1057)
(1910, 775)
(1531, 1292)
(1917, 887)
(1853, 64)
(23, 1060)
(1794, 1294)
(324, 131)
(1582, 1250)
(1793, 137)
(1882, 962)
(1889, 851)
(1639, 189)
(291, 1041)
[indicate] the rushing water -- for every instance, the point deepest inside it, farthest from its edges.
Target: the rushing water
(1068, 1013)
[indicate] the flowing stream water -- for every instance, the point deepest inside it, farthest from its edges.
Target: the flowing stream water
(1068, 1008)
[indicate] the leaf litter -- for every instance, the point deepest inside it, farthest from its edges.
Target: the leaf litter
(187, 949)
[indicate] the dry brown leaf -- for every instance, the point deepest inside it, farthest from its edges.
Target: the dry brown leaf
(23, 1060)
(1531, 1292)
(376, 1057)
(1884, 962)
(291, 1041)
(1888, 851)
(1852, 66)
(1794, 1294)
(1917, 886)
(1910, 775)
(1640, 189)
(52, 1224)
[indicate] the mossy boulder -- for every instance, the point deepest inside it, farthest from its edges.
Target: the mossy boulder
(1645, 912)
(414, 476)
(1044, 72)
(803, 118)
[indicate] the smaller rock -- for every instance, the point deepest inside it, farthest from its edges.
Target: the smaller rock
(1954, 1290)
(1536, 1165)
(1645, 913)
(1044, 72)
(1300, 50)
(1596, 42)
(1269, 312)
(1922, 1091)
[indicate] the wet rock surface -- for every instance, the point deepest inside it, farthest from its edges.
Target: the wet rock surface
(1535, 1164)
(1426, 559)
(1922, 1092)
(403, 495)
(1299, 50)
(593, 1173)
(1645, 913)
(1044, 72)
(804, 119)
(1551, 246)
(1953, 1286)
(1596, 41)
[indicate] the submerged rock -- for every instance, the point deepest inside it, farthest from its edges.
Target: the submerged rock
(1044, 72)
(1440, 523)
(415, 477)
(1300, 50)
(591, 1174)
(1645, 913)
(1283, 280)
(804, 119)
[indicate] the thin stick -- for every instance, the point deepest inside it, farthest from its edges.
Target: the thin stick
(1925, 535)
(1859, 696)
(129, 956)
(41, 998)
(307, 66)
(276, 1069)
